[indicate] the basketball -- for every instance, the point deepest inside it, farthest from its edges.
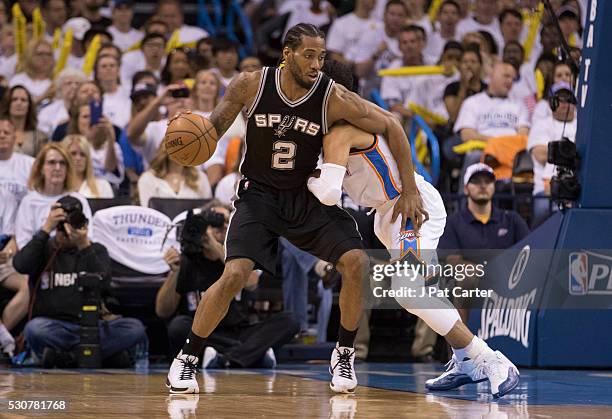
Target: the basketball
(190, 139)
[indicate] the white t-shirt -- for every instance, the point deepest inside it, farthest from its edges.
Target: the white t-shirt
(226, 188)
(368, 44)
(345, 32)
(542, 132)
(524, 89)
(14, 174)
(8, 211)
(189, 33)
(491, 116)
(301, 13)
(542, 111)
(133, 62)
(74, 62)
(430, 92)
(98, 157)
(52, 115)
(236, 130)
(37, 88)
(7, 66)
(117, 107)
(104, 189)
(402, 89)
(470, 25)
(435, 46)
(125, 40)
(150, 186)
(225, 81)
(33, 212)
(152, 138)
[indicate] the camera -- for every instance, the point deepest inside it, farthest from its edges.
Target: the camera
(563, 153)
(74, 213)
(180, 93)
(194, 228)
(564, 186)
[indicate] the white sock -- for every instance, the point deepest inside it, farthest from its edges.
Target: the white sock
(319, 268)
(474, 348)
(6, 339)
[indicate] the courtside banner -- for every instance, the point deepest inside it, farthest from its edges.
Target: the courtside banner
(133, 236)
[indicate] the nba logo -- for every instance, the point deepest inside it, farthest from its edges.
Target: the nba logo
(578, 273)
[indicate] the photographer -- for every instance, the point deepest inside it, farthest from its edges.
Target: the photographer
(54, 266)
(236, 342)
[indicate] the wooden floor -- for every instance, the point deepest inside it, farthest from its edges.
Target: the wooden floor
(247, 394)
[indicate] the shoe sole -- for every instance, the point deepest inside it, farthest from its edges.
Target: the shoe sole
(186, 390)
(514, 381)
(345, 391)
(454, 386)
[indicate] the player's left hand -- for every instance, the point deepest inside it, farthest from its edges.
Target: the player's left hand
(410, 205)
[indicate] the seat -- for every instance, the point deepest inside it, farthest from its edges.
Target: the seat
(172, 207)
(97, 204)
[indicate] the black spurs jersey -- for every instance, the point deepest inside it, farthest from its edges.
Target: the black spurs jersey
(284, 138)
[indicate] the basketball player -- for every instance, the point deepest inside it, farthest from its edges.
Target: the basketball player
(289, 110)
(371, 181)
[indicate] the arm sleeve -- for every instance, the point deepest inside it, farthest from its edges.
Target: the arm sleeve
(30, 259)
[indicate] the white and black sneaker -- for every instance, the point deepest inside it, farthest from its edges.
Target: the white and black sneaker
(342, 370)
(182, 375)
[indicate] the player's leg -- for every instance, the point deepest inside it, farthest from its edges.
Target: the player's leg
(330, 233)
(211, 310)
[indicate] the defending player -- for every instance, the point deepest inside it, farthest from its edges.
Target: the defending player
(289, 111)
(371, 180)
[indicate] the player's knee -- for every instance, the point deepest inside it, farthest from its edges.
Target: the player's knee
(354, 265)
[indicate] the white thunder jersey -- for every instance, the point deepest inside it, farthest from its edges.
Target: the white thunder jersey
(372, 180)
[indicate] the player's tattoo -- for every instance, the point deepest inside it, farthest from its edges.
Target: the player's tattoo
(235, 98)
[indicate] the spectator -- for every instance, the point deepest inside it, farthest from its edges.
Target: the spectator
(56, 112)
(485, 52)
(54, 13)
(87, 91)
(380, 47)
(511, 25)
(225, 53)
(167, 179)
(28, 139)
(86, 183)
(110, 49)
(484, 18)
(524, 86)
(560, 123)
(204, 58)
(561, 73)
(236, 342)
(250, 64)
(17, 306)
(79, 26)
(106, 154)
(4, 12)
(52, 177)
(177, 67)
(418, 17)
(8, 58)
(135, 61)
(492, 114)
(91, 11)
(115, 100)
(124, 35)
(315, 12)
(38, 69)
(206, 96)
(549, 41)
(448, 18)
(346, 31)
(479, 224)
(569, 22)
(104, 36)
(399, 91)
(14, 167)
(171, 13)
(54, 266)
(470, 81)
(146, 130)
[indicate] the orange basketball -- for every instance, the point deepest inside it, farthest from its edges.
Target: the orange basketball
(190, 139)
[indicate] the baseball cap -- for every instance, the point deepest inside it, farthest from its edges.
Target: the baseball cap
(567, 10)
(476, 169)
(141, 89)
(79, 26)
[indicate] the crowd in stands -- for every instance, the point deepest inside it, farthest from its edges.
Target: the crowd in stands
(86, 97)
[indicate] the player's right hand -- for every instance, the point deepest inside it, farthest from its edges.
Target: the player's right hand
(410, 206)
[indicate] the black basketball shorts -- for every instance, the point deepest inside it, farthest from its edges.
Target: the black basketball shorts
(263, 213)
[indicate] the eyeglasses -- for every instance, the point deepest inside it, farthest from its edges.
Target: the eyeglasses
(53, 163)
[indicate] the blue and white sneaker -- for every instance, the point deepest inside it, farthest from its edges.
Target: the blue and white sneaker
(502, 374)
(457, 374)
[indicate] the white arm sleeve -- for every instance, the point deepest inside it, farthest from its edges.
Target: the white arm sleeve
(328, 186)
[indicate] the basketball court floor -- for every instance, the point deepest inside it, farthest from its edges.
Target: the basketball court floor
(299, 391)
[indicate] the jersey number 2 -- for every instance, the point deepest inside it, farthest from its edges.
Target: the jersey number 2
(283, 157)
